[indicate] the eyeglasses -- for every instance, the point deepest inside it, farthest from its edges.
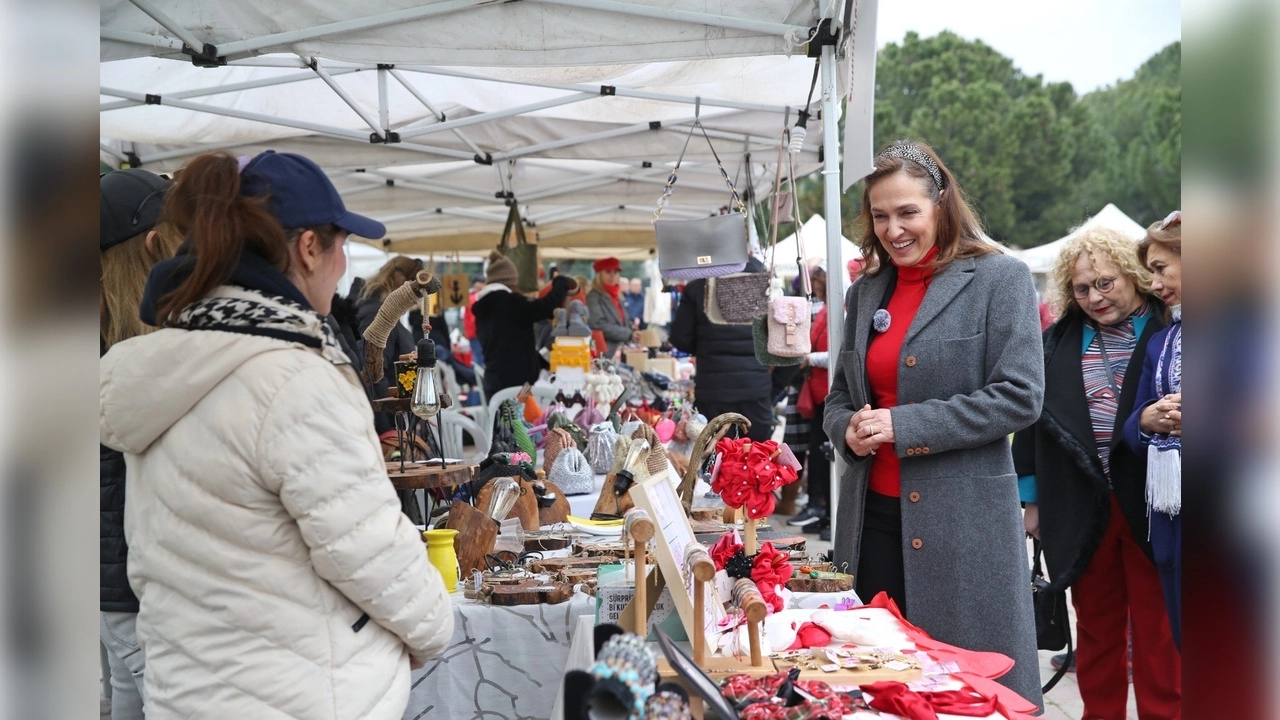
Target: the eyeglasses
(1102, 284)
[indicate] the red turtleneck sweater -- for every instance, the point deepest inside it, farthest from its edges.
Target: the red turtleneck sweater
(884, 360)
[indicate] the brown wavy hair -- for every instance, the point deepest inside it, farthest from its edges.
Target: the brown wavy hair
(959, 235)
(1170, 237)
(384, 282)
(125, 267)
(205, 206)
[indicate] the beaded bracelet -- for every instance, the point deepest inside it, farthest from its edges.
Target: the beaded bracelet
(628, 659)
(667, 705)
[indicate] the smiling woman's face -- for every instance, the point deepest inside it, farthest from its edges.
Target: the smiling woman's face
(905, 218)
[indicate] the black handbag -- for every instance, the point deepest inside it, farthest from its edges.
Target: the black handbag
(1053, 625)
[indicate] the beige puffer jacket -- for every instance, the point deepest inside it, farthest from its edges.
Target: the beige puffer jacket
(261, 524)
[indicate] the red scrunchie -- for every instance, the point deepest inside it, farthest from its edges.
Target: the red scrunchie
(748, 475)
(769, 569)
(724, 550)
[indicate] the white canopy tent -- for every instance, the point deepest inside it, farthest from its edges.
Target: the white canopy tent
(432, 116)
(814, 234)
(1040, 259)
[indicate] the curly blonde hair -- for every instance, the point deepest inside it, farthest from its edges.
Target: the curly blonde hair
(1118, 251)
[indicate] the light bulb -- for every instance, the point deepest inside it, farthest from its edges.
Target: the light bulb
(426, 388)
(798, 134)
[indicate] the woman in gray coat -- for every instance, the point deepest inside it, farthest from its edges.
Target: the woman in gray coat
(604, 306)
(941, 361)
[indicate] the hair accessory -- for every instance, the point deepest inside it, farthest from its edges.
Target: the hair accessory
(912, 152)
(880, 321)
(1173, 218)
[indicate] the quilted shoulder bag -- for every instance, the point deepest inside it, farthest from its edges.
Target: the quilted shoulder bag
(702, 247)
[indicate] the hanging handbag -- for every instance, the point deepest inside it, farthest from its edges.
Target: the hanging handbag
(740, 297)
(703, 247)
(1053, 625)
(557, 440)
(524, 254)
(788, 318)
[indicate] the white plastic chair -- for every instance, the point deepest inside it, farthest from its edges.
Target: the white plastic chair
(453, 425)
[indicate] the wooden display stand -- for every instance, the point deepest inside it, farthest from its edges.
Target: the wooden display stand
(476, 536)
(428, 476)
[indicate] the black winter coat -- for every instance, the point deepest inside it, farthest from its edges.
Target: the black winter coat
(114, 595)
(504, 326)
(727, 367)
(1059, 449)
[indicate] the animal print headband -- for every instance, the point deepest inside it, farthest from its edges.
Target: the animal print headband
(908, 151)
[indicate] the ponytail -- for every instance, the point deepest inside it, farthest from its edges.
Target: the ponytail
(205, 205)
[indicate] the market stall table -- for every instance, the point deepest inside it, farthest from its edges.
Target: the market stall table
(502, 662)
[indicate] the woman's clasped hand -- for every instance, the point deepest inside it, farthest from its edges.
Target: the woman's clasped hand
(868, 429)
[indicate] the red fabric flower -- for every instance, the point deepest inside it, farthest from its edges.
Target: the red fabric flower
(759, 504)
(724, 549)
(749, 474)
(770, 569)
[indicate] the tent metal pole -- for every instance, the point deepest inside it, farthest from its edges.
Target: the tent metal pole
(439, 116)
(384, 112)
(568, 142)
(473, 214)
(436, 187)
(347, 26)
(496, 114)
(137, 38)
(242, 115)
(672, 14)
(588, 181)
(831, 212)
(254, 84)
(118, 105)
(433, 150)
(169, 24)
(346, 97)
(117, 154)
(618, 91)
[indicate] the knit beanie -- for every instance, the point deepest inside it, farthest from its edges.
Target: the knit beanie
(501, 270)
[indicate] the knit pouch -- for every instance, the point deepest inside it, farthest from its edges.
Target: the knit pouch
(572, 473)
(741, 296)
(560, 420)
(557, 440)
(600, 447)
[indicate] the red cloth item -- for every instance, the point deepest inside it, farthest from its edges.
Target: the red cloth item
(724, 550)
(884, 363)
(810, 635)
(769, 569)
(606, 265)
(897, 698)
(613, 292)
(749, 474)
(1119, 590)
(469, 318)
(815, 386)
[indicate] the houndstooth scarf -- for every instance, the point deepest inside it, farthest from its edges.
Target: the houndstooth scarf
(239, 310)
(1164, 454)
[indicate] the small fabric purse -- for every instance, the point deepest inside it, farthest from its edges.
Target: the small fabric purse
(702, 247)
(740, 297)
(788, 322)
(572, 473)
(600, 447)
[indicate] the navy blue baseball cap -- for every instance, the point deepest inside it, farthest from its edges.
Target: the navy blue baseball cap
(302, 195)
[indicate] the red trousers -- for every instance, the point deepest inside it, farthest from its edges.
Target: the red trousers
(1119, 591)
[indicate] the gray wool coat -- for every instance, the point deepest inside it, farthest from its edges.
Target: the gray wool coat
(971, 373)
(602, 314)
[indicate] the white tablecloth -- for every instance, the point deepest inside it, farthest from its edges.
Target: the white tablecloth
(502, 662)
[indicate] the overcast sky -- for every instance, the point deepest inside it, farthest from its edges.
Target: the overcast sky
(1089, 43)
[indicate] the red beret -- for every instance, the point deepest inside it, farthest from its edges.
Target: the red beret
(607, 264)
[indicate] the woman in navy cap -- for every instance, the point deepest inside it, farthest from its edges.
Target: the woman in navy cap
(275, 572)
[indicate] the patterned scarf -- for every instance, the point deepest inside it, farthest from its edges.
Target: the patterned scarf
(239, 310)
(1164, 454)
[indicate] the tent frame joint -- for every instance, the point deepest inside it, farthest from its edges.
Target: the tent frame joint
(486, 159)
(153, 99)
(206, 57)
(608, 90)
(387, 138)
(821, 35)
